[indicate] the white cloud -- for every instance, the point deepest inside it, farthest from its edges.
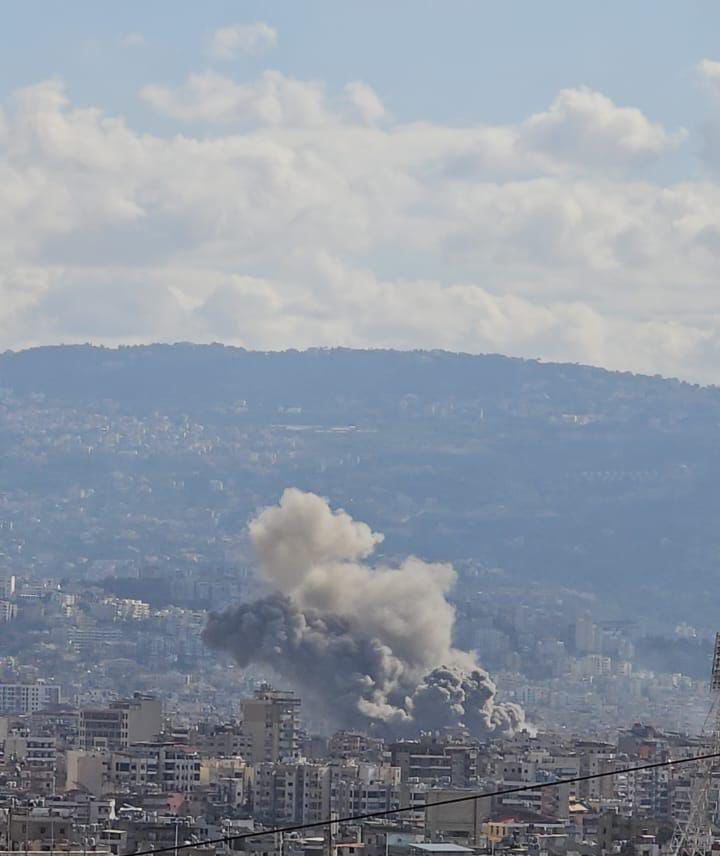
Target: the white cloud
(325, 222)
(271, 99)
(365, 311)
(586, 126)
(210, 97)
(228, 42)
(365, 101)
(581, 129)
(710, 70)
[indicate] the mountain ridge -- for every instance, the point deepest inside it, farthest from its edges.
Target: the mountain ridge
(554, 474)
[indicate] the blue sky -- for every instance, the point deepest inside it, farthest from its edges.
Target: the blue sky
(536, 179)
(450, 60)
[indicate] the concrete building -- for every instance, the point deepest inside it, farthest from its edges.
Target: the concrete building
(226, 780)
(36, 830)
(160, 767)
(294, 792)
(178, 768)
(346, 744)
(597, 759)
(87, 770)
(422, 761)
(27, 749)
(363, 789)
(459, 822)
(121, 724)
(94, 637)
(270, 726)
(28, 698)
(586, 634)
(8, 610)
(389, 838)
(445, 763)
(221, 741)
(7, 586)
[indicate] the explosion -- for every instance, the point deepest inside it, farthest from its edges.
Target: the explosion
(370, 645)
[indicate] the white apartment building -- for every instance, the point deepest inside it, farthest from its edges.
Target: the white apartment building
(28, 698)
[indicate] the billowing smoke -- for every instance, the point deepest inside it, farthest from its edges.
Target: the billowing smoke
(371, 644)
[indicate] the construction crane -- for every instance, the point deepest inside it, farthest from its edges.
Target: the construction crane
(694, 837)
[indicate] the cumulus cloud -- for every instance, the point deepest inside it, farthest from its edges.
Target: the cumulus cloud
(228, 42)
(274, 99)
(311, 217)
(460, 316)
(586, 126)
(710, 71)
(365, 101)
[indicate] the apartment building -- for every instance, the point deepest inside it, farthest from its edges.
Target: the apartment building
(28, 698)
(121, 724)
(270, 726)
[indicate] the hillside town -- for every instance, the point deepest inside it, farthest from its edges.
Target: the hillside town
(567, 669)
(122, 732)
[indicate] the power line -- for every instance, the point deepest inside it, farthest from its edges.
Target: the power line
(331, 821)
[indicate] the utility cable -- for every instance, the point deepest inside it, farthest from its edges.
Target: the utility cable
(331, 821)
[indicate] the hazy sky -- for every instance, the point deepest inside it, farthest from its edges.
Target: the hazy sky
(537, 179)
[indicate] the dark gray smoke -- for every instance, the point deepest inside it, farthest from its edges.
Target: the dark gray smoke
(372, 644)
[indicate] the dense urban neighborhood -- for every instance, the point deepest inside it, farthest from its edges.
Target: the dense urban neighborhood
(131, 519)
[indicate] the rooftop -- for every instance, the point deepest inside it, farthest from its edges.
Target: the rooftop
(441, 848)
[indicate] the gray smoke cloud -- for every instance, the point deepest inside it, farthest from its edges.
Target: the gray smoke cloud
(371, 644)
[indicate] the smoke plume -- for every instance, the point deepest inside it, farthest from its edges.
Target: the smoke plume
(372, 644)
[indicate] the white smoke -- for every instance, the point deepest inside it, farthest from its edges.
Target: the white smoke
(371, 643)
